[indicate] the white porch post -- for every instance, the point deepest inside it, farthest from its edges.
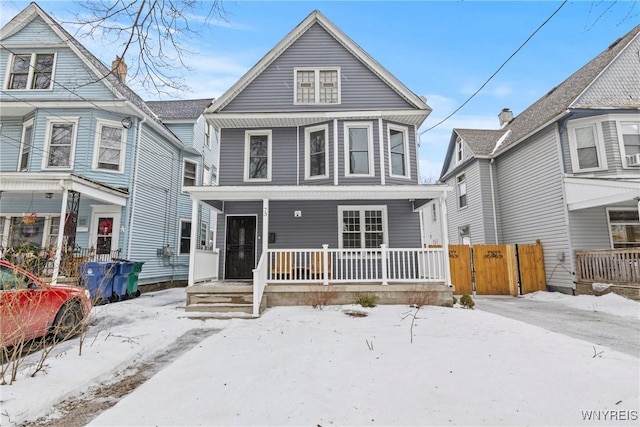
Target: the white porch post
(325, 264)
(63, 217)
(444, 229)
(194, 240)
(265, 226)
(383, 259)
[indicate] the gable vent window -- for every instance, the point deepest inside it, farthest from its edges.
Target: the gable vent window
(317, 86)
(31, 71)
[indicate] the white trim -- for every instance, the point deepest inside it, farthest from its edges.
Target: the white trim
(226, 234)
(32, 68)
(96, 145)
(307, 151)
(316, 81)
(381, 151)
(247, 154)
(609, 209)
(361, 209)
(336, 151)
(628, 119)
(466, 192)
(25, 125)
(596, 124)
(459, 149)
(405, 135)
(358, 125)
(51, 121)
(105, 210)
(184, 169)
(192, 231)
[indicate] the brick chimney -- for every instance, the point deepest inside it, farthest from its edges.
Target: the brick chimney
(505, 117)
(120, 68)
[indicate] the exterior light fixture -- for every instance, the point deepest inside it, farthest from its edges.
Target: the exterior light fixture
(126, 122)
(48, 195)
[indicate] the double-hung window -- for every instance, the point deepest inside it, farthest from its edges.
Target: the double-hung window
(189, 170)
(629, 136)
(586, 145)
(316, 152)
(459, 150)
(185, 237)
(31, 71)
(624, 228)
(257, 155)
(60, 143)
(362, 227)
(317, 85)
(25, 146)
(398, 151)
(358, 148)
(461, 185)
(110, 142)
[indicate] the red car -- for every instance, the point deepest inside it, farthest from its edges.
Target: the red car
(31, 308)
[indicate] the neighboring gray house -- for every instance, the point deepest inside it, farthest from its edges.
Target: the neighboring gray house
(565, 171)
(88, 169)
(318, 146)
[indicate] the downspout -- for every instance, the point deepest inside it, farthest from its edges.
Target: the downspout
(493, 203)
(134, 180)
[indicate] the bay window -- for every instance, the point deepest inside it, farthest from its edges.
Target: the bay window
(60, 143)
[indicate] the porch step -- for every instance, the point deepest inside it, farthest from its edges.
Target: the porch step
(228, 299)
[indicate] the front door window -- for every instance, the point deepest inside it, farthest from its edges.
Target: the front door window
(104, 237)
(240, 250)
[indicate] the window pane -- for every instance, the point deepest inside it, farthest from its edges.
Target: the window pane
(358, 139)
(59, 156)
(306, 86)
(189, 177)
(258, 168)
(631, 138)
(585, 137)
(328, 86)
(317, 153)
(258, 157)
(61, 134)
(358, 151)
(623, 216)
(44, 63)
(259, 145)
(26, 148)
(21, 64)
(397, 152)
(588, 158)
(185, 237)
(60, 145)
(18, 81)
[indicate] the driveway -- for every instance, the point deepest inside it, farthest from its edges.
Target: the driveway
(602, 329)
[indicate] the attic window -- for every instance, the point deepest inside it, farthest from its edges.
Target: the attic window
(317, 86)
(459, 148)
(31, 71)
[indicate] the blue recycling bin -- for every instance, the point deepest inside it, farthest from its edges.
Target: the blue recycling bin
(98, 277)
(122, 271)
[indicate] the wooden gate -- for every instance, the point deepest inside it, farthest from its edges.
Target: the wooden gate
(497, 269)
(460, 266)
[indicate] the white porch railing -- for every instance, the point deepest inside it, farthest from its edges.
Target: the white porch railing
(383, 265)
(259, 283)
(206, 265)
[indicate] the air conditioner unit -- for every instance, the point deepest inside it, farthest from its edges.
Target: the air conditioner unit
(633, 160)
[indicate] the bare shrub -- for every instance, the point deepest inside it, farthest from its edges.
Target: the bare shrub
(321, 296)
(420, 297)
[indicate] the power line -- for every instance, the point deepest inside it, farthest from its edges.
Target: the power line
(497, 71)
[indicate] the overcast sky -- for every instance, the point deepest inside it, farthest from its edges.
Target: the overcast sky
(443, 50)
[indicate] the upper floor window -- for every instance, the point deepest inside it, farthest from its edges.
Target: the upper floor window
(398, 151)
(362, 227)
(208, 131)
(316, 152)
(624, 228)
(60, 143)
(586, 145)
(358, 149)
(25, 148)
(109, 146)
(317, 86)
(459, 149)
(31, 71)
(630, 141)
(461, 184)
(189, 169)
(257, 155)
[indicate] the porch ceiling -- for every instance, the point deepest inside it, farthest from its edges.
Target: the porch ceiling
(318, 192)
(583, 193)
(25, 182)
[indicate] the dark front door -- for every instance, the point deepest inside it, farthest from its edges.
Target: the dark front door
(240, 253)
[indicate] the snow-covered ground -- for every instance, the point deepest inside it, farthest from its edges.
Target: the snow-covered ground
(305, 366)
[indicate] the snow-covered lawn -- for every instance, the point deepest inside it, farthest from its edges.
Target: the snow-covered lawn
(305, 366)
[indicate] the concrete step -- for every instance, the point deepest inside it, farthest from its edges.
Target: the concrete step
(225, 298)
(220, 308)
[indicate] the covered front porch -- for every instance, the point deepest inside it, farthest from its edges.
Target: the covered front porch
(290, 273)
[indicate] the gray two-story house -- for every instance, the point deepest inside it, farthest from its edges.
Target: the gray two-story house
(565, 171)
(88, 170)
(318, 178)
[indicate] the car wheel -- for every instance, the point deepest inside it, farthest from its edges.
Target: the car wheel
(67, 321)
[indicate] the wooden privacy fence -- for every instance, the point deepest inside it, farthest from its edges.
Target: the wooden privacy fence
(514, 269)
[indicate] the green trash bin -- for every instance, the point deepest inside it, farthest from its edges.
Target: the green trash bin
(132, 280)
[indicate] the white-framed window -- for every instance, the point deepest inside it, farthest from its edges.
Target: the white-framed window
(257, 155)
(629, 137)
(624, 227)
(30, 71)
(203, 234)
(185, 237)
(459, 150)
(465, 234)
(461, 185)
(109, 148)
(189, 173)
(60, 141)
(398, 137)
(316, 152)
(25, 145)
(208, 131)
(358, 149)
(586, 144)
(214, 175)
(362, 227)
(434, 212)
(316, 86)
(206, 175)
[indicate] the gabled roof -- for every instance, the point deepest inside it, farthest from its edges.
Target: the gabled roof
(189, 109)
(313, 18)
(480, 141)
(101, 71)
(565, 96)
